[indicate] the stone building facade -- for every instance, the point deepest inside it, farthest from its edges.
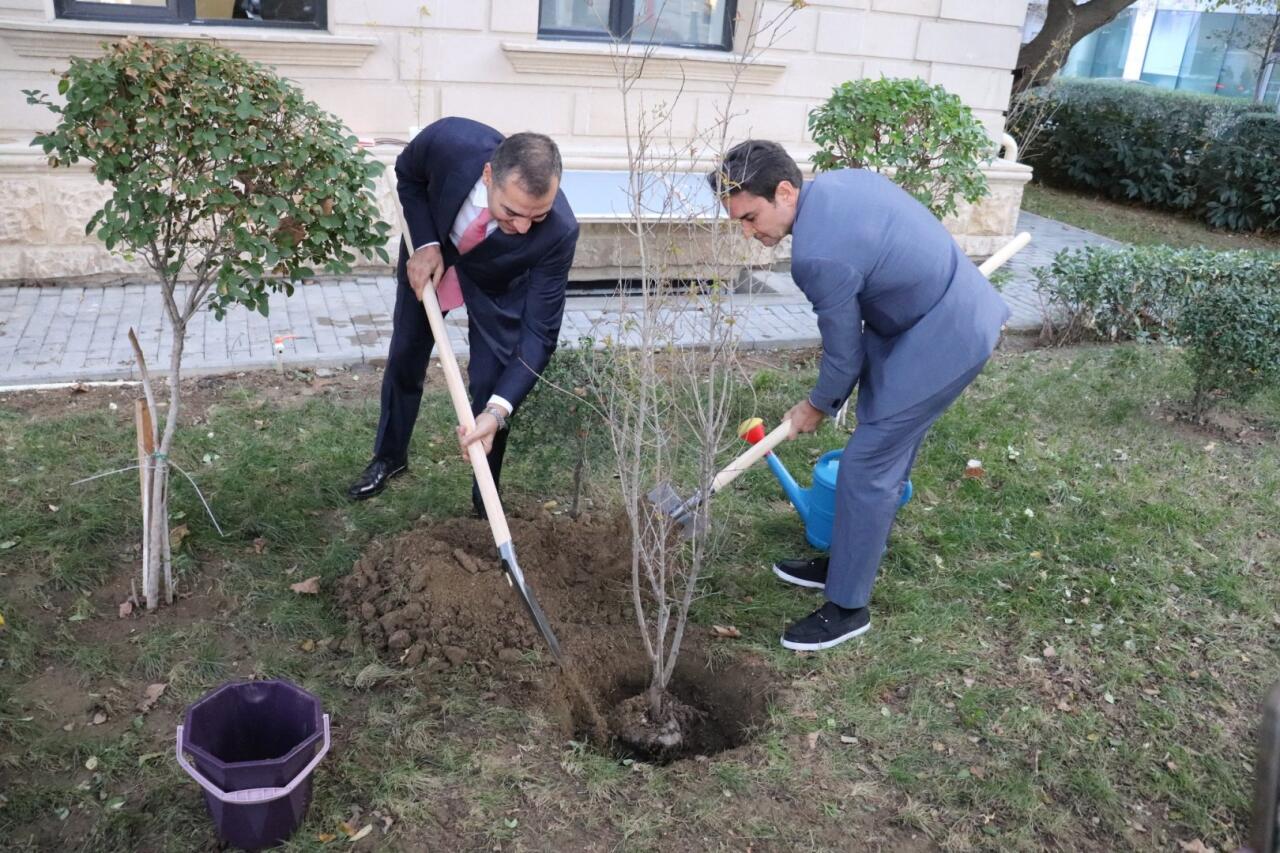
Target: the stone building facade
(387, 66)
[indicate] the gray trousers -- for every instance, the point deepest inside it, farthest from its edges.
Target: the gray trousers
(873, 473)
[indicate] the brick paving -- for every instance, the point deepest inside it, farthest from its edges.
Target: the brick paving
(64, 334)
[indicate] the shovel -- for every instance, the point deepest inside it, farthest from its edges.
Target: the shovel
(685, 512)
(480, 462)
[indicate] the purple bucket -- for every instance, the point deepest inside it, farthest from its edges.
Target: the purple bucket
(254, 747)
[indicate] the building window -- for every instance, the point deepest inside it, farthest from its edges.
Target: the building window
(1103, 51)
(309, 14)
(680, 23)
(1213, 53)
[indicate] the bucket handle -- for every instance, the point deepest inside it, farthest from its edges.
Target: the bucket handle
(253, 796)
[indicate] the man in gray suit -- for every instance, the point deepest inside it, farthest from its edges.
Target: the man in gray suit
(903, 314)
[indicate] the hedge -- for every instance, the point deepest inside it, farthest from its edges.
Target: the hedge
(1216, 158)
(1223, 308)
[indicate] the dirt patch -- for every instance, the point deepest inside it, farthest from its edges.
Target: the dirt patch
(1231, 427)
(435, 597)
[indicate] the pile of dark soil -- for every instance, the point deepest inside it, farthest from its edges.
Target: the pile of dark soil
(436, 597)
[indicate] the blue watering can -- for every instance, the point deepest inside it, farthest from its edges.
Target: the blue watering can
(817, 504)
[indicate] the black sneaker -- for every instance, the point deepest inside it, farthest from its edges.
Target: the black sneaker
(829, 625)
(807, 573)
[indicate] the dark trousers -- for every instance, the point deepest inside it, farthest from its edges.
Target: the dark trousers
(873, 472)
(405, 374)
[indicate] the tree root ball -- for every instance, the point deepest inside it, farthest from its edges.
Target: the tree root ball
(636, 727)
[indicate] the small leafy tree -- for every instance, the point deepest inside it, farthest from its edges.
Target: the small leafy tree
(226, 180)
(1231, 337)
(925, 135)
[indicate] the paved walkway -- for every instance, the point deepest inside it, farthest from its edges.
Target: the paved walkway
(64, 334)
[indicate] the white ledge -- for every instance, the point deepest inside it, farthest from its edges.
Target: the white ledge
(63, 39)
(598, 60)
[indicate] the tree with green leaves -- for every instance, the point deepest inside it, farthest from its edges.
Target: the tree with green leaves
(924, 137)
(226, 181)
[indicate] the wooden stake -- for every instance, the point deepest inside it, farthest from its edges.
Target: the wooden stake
(142, 428)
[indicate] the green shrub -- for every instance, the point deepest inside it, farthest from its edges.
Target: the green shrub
(925, 135)
(1224, 307)
(222, 172)
(1232, 340)
(1241, 176)
(1213, 157)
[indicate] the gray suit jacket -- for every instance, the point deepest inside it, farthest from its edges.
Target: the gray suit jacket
(902, 311)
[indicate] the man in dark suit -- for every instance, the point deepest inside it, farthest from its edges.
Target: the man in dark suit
(490, 227)
(903, 314)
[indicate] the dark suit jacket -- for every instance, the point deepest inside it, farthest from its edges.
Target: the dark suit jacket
(902, 312)
(514, 285)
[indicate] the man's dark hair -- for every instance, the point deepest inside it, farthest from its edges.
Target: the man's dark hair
(533, 159)
(756, 166)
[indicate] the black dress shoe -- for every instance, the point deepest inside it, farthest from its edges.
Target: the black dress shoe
(374, 479)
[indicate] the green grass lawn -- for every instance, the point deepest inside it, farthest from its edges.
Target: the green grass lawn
(1068, 653)
(1133, 224)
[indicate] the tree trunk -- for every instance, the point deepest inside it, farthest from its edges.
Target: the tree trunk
(160, 553)
(1065, 24)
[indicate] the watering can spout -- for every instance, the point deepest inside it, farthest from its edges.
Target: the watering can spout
(799, 497)
(752, 431)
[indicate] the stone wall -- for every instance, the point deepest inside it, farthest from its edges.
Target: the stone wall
(385, 66)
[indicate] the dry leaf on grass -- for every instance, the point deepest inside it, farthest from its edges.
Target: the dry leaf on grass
(1195, 846)
(177, 534)
(153, 694)
(259, 545)
(325, 837)
(812, 738)
(310, 586)
(126, 609)
(725, 631)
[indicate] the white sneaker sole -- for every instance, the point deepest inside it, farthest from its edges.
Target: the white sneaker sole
(826, 644)
(777, 570)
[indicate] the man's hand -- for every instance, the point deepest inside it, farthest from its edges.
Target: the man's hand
(426, 266)
(804, 418)
(486, 426)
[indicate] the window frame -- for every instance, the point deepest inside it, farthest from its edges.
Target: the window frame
(177, 13)
(623, 11)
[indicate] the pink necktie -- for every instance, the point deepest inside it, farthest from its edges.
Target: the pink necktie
(449, 292)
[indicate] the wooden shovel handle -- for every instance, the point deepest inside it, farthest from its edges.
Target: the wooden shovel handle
(752, 455)
(458, 394)
(1006, 252)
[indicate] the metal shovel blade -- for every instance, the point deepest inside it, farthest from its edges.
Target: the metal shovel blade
(540, 621)
(683, 512)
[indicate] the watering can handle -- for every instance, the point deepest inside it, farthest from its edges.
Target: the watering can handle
(252, 796)
(751, 456)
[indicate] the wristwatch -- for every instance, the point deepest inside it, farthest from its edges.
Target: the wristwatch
(498, 415)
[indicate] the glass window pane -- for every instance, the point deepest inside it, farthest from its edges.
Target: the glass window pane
(1206, 51)
(692, 22)
(1103, 51)
(294, 11)
(590, 16)
(1272, 95)
(1168, 43)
